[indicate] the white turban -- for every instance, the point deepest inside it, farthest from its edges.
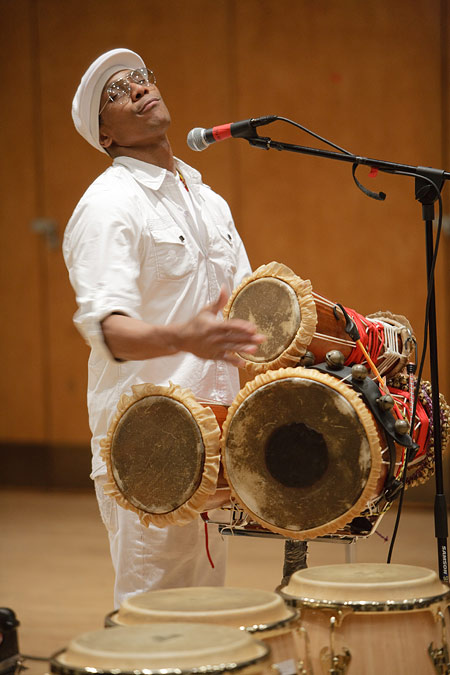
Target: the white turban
(86, 102)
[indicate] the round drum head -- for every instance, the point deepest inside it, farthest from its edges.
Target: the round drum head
(272, 305)
(300, 452)
(365, 586)
(162, 454)
(160, 648)
(157, 454)
(237, 607)
(282, 307)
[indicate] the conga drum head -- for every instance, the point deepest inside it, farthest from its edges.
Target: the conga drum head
(161, 648)
(301, 452)
(162, 454)
(366, 587)
(281, 306)
(249, 608)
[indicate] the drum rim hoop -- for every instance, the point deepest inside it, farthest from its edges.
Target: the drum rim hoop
(210, 431)
(367, 605)
(255, 628)
(62, 669)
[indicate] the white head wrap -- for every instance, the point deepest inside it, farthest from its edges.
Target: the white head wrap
(86, 102)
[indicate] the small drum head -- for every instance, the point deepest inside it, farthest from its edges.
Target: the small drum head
(160, 648)
(366, 587)
(162, 454)
(253, 609)
(301, 452)
(281, 305)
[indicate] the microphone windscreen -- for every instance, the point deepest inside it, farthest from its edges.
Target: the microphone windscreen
(195, 139)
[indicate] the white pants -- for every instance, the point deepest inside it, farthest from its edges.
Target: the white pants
(147, 558)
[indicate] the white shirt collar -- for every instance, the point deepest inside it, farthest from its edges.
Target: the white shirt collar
(153, 176)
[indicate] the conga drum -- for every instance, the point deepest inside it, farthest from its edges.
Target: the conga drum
(302, 453)
(261, 613)
(370, 618)
(162, 455)
(162, 649)
(296, 320)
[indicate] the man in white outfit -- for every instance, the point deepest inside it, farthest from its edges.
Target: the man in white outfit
(152, 255)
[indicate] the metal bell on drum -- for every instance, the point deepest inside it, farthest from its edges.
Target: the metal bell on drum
(401, 427)
(385, 402)
(308, 359)
(335, 359)
(359, 372)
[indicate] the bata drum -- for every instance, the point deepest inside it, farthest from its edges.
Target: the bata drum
(263, 614)
(369, 619)
(295, 320)
(162, 455)
(163, 649)
(302, 454)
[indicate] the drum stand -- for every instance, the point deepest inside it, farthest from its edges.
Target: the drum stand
(428, 185)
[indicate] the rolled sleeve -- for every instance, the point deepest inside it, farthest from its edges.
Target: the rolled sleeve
(102, 253)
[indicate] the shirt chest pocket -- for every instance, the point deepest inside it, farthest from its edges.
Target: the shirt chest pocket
(172, 256)
(224, 244)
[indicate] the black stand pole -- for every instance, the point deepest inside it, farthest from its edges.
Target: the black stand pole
(427, 198)
(427, 195)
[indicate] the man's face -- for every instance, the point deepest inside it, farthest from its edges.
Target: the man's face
(138, 120)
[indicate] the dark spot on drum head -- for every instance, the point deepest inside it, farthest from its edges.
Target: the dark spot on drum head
(296, 455)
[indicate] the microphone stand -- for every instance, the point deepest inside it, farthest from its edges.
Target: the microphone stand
(426, 195)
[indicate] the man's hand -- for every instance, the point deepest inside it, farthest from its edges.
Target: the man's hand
(204, 335)
(211, 338)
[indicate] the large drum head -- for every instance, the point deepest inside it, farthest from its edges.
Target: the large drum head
(162, 454)
(365, 587)
(301, 452)
(281, 306)
(161, 648)
(251, 608)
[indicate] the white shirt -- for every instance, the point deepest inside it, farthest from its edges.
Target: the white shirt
(133, 246)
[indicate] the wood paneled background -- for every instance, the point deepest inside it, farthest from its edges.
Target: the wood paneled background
(371, 76)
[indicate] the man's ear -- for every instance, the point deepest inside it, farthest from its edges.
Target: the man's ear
(105, 139)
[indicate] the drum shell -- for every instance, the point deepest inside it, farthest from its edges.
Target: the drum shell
(390, 644)
(263, 614)
(297, 320)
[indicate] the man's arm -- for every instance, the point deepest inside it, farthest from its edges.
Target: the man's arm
(204, 335)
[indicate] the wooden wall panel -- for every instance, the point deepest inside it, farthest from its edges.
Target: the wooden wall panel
(22, 390)
(368, 77)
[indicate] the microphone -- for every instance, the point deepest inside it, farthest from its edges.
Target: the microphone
(198, 139)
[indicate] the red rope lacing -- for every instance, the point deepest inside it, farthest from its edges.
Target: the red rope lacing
(421, 422)
(372, 338)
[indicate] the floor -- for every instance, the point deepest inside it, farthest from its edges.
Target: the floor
(56, 575)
